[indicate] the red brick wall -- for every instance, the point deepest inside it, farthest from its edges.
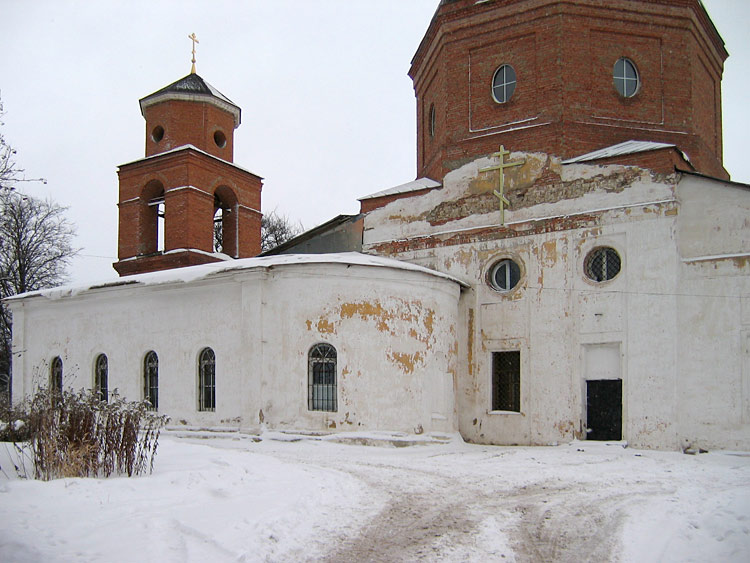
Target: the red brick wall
(565, 102)
(185, 122)
(189, 180)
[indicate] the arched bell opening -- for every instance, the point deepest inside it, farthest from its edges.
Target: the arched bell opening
(225, 221)
(152, 218)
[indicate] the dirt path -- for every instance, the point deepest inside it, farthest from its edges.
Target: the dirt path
(429, 516)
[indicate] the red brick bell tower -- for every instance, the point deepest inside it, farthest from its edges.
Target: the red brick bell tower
(171, 200)
(567, 78)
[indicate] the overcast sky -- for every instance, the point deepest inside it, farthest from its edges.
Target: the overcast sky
(328, 112)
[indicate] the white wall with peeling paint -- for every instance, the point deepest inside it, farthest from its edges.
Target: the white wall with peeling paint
(394, 330)
(677, 324)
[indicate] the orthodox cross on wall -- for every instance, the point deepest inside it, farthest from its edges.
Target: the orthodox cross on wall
(194, 39)
(500, 192)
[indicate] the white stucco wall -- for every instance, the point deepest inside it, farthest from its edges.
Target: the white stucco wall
(679, 351)
(393, 329)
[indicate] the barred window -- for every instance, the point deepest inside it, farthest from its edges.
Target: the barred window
(151, 379)
(506, 381)
(56, 374)
(321, 369)
(207, 380)
(602, 264)
(101, 377)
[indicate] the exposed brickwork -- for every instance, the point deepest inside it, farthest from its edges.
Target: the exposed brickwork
(565, 103)
(191, 183)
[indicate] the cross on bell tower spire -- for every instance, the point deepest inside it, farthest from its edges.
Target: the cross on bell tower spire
(194, 39)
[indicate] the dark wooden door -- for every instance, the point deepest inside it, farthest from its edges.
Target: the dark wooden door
(604, 409)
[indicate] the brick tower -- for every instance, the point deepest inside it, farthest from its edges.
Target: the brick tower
(170, 200)
(567, 78)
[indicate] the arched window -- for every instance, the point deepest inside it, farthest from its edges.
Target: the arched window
(321, 373)
(101, 377)
(56, 374)
(151, 379)
(207, 380)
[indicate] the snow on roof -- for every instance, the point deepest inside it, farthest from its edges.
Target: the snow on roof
(203, 271)
(191, 147)
(416, 185)
(628, 147)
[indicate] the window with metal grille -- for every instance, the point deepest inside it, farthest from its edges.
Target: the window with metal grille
(503, 84)
(626, 79)
(321, 374)
(602, 264)
(504, 275)
(207, 380)
(151, 379)
(56, 374)
(506, 381)
(101, 376)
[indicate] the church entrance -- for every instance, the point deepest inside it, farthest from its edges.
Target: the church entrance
(604, 409)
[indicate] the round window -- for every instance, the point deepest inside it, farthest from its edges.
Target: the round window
(602, 264)
(158, 133)
(503, 84)
(220, 139)
(626, 78)
(504, 275)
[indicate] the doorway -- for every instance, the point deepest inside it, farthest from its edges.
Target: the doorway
(604, 409)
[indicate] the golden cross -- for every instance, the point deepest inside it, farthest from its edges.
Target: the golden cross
(194, 39)
(501, 183)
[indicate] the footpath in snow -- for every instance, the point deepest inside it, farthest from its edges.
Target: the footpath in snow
(229, 497)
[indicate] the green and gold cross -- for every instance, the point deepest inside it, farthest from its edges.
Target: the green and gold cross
(500, 193)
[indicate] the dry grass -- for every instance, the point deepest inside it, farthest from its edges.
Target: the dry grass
(76, 435)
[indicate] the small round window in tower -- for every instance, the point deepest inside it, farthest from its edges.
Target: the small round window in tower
(503, 84)
(220, 139)
(626, 79)
(432, 121)
(157, 134)
(602, 264)
(504, 275)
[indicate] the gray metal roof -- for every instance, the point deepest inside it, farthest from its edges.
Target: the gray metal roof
(193, 88)
(415, 186)
(621, 149)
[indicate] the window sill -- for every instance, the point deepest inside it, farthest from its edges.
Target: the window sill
(505, 412)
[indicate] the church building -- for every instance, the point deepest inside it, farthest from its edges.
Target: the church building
(571, 262)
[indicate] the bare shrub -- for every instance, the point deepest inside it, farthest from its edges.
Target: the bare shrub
(77, 435)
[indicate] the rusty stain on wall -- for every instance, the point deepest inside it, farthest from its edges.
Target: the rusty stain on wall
(406, 362)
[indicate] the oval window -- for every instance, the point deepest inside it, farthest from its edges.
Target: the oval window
(503, 84)
(626, 78)
(504, 275)
(220, 139)
(602, 264)
(158, 133)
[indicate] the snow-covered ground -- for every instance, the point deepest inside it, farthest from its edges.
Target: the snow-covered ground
(232, 498)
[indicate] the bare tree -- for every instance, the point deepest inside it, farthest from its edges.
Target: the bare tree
(35, 247)
(276, 229)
